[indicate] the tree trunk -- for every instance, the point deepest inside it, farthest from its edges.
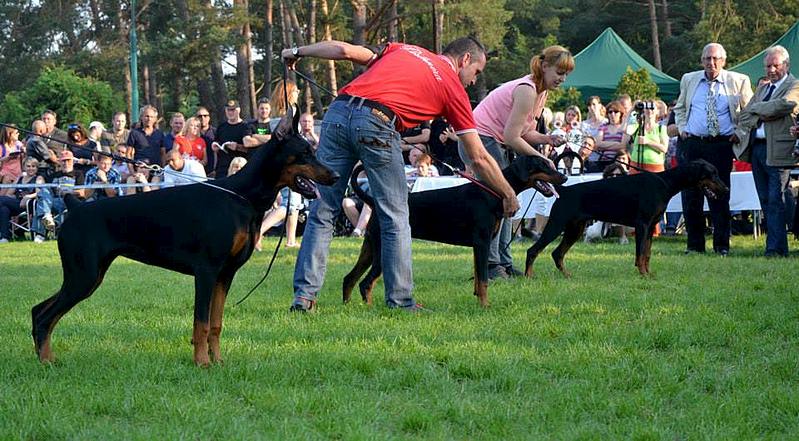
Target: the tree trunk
(438, 25)
(177, 92)
(269, 48)
(243, 80)
(653, 22)
(304, 68)
(664, 12)
(124, 41)
(288, 37)
(331, 65)
(392, 32)
(358, 28)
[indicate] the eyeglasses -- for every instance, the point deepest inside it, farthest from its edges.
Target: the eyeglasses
(614, 111)
(204, 116)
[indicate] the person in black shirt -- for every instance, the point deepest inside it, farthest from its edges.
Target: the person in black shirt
(146, 140)
(260, 126)
(208, 133)
(229, 142)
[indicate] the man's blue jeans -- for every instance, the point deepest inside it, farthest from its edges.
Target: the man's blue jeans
(46, 203)
(771, 183)
(351, 132)
(499, 252)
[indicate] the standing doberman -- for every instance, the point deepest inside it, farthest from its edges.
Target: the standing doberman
(465, 215)
(195, 229)
(634, 200)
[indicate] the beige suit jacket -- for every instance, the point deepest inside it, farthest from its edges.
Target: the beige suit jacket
(738, 85)
(778, 115)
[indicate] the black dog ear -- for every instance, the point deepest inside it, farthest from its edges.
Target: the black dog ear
(288, 124)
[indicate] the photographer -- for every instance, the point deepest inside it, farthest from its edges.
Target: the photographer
(650, 141)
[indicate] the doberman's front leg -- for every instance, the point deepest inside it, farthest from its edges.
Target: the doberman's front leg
(571, 234)
(204, 290)
(551, 232)
(480, 251)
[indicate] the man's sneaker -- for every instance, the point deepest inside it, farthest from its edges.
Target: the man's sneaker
(497, 272)
(48, 221)
(303, 305)
(38, 238)
(512, 272)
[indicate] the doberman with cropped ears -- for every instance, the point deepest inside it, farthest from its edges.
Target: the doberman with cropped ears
(466, 215)
(207, 231)
(637, 201)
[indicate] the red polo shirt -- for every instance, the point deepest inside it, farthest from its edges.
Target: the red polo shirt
(417, 85)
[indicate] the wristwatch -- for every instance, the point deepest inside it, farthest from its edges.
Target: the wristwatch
(295, 52)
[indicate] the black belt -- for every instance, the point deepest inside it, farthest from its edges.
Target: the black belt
(717, 138)
(381, 111)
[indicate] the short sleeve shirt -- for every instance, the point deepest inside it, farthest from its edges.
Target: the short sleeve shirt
(148, 147)
(417, 85)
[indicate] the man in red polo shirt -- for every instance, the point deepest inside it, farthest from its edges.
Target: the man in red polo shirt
(403, 86)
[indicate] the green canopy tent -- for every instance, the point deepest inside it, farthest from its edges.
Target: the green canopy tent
(753, 67)
(599, 67)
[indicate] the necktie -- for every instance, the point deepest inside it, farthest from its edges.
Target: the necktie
(712, 116)
(770, 91)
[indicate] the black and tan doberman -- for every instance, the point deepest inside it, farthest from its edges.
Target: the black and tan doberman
(195, 229)
(466, 215)
(637, 201)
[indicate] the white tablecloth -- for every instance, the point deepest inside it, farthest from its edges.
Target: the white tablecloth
(743, 195)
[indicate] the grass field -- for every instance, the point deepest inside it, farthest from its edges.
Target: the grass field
(707, 348)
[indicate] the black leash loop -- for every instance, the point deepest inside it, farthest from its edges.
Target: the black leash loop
(271, 262)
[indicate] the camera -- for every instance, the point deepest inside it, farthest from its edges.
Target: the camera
(645, 105)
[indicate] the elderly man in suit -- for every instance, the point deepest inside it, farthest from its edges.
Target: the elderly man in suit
(706, 115)
(765, 141)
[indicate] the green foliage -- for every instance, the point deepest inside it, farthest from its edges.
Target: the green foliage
(638, 84)
(560, 99)
(703, 349)
(72, 97)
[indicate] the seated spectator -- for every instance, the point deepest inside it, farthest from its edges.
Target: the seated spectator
(16, 204)
(102, 173)
(180, 171)
(588, 152)
(50, 201)
(286, 207)
(37, 148)
(413, 170)
(121, 166)
(236, 164)
(424, 167)
(81, 147)
(417, 136)
(191, 145)
(11, 157)
(357, 212)
(96, 129)
(142, 175)
(596, 116)
(307, 130)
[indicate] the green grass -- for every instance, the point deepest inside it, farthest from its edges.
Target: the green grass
(707, 348)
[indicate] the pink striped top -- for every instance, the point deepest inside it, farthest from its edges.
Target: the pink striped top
(492, 113)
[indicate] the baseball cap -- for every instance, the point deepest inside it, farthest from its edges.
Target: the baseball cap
(65, 155)
(94, 124)
(231, 104)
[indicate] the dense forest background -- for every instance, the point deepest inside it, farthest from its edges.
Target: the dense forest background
(73, 55)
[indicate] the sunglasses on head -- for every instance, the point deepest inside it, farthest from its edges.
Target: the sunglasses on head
(73, 127)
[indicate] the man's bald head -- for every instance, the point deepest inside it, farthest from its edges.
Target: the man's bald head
(39, 127)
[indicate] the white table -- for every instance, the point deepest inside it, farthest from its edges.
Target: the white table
(743, 195)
